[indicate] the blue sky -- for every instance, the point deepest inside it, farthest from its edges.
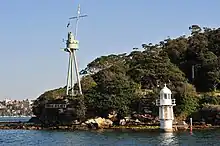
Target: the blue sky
(31, 34)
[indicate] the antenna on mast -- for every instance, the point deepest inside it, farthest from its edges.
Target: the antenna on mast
(77, 19)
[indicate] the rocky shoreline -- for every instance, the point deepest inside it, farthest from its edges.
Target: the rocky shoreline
(31, 126)
(103, 124)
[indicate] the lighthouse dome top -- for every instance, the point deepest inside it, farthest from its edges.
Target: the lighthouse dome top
(165, 90)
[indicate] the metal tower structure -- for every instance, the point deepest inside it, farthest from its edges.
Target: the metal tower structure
(71, 47)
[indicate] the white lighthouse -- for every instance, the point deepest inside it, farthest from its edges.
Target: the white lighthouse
(166, 103)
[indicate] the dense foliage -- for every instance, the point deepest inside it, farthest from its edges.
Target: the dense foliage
(189, 66)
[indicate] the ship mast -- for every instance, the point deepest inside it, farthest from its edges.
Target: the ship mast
(71, 47)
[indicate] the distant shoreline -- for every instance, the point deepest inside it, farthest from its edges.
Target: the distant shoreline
(15, 116)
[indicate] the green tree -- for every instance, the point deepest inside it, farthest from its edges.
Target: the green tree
(187, 100)
(150, 68)
(195, 29)
(114, 91)
(104, 62)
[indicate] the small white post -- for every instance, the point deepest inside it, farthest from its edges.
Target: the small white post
(190, 125)
(191, 122)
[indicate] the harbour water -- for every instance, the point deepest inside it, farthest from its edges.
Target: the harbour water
(14, 119)
(107, 138)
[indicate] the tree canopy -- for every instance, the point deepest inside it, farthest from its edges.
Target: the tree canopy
(188, 65)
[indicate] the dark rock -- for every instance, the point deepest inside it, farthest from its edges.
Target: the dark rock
(35, 120)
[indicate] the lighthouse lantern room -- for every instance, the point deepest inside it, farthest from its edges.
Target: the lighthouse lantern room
(166, 103)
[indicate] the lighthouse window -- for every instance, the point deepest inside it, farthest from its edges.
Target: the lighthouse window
(161, 96)
(165, 96)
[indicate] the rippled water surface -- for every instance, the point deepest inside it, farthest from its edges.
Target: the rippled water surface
(105, 138)
(14, 119)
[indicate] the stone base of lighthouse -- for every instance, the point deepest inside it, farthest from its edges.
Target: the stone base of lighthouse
(166, 125)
